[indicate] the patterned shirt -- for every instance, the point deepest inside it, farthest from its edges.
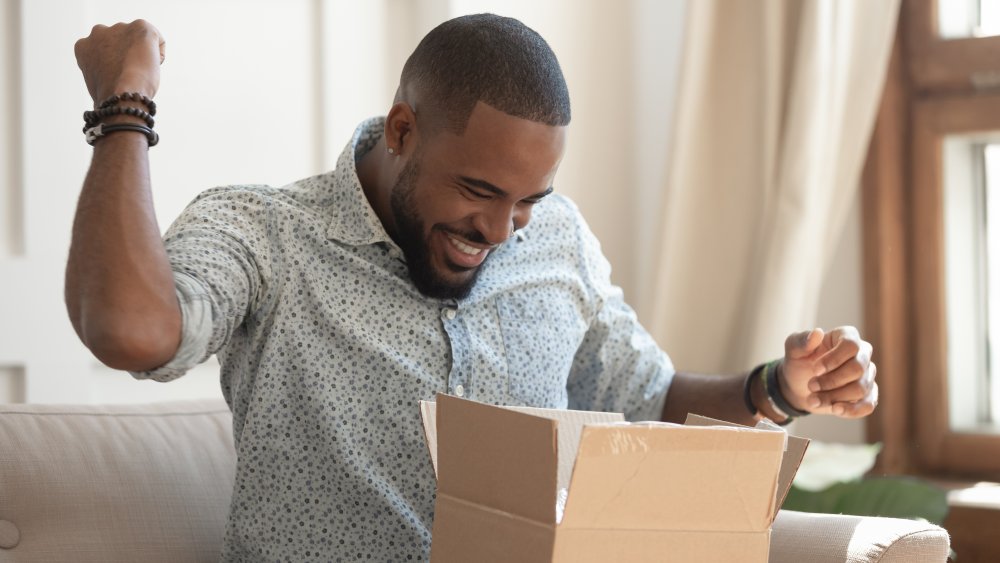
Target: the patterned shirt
(327, 347)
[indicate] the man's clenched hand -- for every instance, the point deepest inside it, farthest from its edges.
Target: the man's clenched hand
(125, 57)
(829, 373)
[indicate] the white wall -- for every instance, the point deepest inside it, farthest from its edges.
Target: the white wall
(251, 91)
(267, 91)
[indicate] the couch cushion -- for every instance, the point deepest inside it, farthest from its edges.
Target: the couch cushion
(115, 483)
(839, 538)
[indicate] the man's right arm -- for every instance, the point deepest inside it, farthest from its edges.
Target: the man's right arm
(119, 286)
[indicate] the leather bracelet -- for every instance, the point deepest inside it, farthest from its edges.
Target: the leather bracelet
(774, 393)
(102, 129)
(786, 418)
(748, 398)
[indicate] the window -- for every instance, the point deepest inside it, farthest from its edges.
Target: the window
(971, 172)
(968, 18)
(932, 242)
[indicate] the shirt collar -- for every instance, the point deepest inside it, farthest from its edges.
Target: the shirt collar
(352, 219)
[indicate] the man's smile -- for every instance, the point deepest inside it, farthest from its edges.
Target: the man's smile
(464, 254)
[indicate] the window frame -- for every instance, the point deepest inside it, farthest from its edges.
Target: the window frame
(934, 88)
(946, 65)
(941, 450)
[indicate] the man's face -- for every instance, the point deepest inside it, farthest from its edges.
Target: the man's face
(458, 197)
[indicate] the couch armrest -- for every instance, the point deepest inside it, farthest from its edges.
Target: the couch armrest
(829, 538)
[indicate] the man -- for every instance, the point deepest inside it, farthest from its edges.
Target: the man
(434, 258)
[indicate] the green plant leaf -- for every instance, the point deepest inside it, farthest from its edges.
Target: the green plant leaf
(894, 497)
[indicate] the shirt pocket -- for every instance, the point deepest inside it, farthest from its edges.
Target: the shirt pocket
(540, 335)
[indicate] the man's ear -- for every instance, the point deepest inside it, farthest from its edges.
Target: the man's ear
(400, 128)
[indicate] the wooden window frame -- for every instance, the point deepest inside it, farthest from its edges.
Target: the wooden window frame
(945, 65)
(934, 88)
(941, 450)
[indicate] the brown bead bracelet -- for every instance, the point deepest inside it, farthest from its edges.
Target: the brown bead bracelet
(130, 96)
(94, 129)
(92, 118)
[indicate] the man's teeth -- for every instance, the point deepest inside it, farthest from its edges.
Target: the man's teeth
(471, 250)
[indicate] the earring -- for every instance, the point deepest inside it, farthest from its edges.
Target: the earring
(391, 150)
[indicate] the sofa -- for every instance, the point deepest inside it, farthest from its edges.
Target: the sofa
(151, 483)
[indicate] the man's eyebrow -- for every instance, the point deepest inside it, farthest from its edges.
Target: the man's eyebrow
(484, 185)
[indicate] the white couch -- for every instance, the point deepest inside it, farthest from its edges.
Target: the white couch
(152, 483)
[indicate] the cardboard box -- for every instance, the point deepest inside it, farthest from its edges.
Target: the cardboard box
(704, 491)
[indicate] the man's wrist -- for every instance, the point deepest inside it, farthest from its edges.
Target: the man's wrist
(776, 387)
(785, 389)
(763, 403)
(120, 113)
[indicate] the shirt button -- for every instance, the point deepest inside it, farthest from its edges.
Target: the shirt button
(448, 313)
(459, 390)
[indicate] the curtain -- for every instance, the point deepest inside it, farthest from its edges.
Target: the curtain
(776, 103)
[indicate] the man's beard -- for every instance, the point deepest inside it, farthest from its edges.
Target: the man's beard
(411, 239)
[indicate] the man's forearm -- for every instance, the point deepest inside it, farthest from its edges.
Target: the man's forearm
(119, 286)
(716, 396)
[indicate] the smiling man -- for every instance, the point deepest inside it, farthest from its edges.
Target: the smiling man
(442, 211)
(485, 151)
(434, 258)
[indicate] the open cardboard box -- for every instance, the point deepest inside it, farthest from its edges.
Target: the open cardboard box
(704, 491)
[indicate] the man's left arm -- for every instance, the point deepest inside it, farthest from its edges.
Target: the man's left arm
(821, 373)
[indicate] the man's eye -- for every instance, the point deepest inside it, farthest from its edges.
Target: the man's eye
(477, 195)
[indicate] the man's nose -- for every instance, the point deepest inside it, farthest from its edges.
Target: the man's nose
(496, 225)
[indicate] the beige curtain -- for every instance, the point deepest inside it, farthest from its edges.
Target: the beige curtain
(776, 105)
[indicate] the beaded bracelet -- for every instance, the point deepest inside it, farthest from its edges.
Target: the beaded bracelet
(93, 129)
(130, 96)
(102, 129)
(91, 118)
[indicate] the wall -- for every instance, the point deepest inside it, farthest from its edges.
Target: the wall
(251, 91)
(264, 91)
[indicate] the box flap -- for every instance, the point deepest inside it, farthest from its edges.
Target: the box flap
(664, 476)
(794, 453)
(570, 424)
(465, 532)
(496, 457)
(795, 450)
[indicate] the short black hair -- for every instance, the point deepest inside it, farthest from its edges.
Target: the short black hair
(493, 59)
